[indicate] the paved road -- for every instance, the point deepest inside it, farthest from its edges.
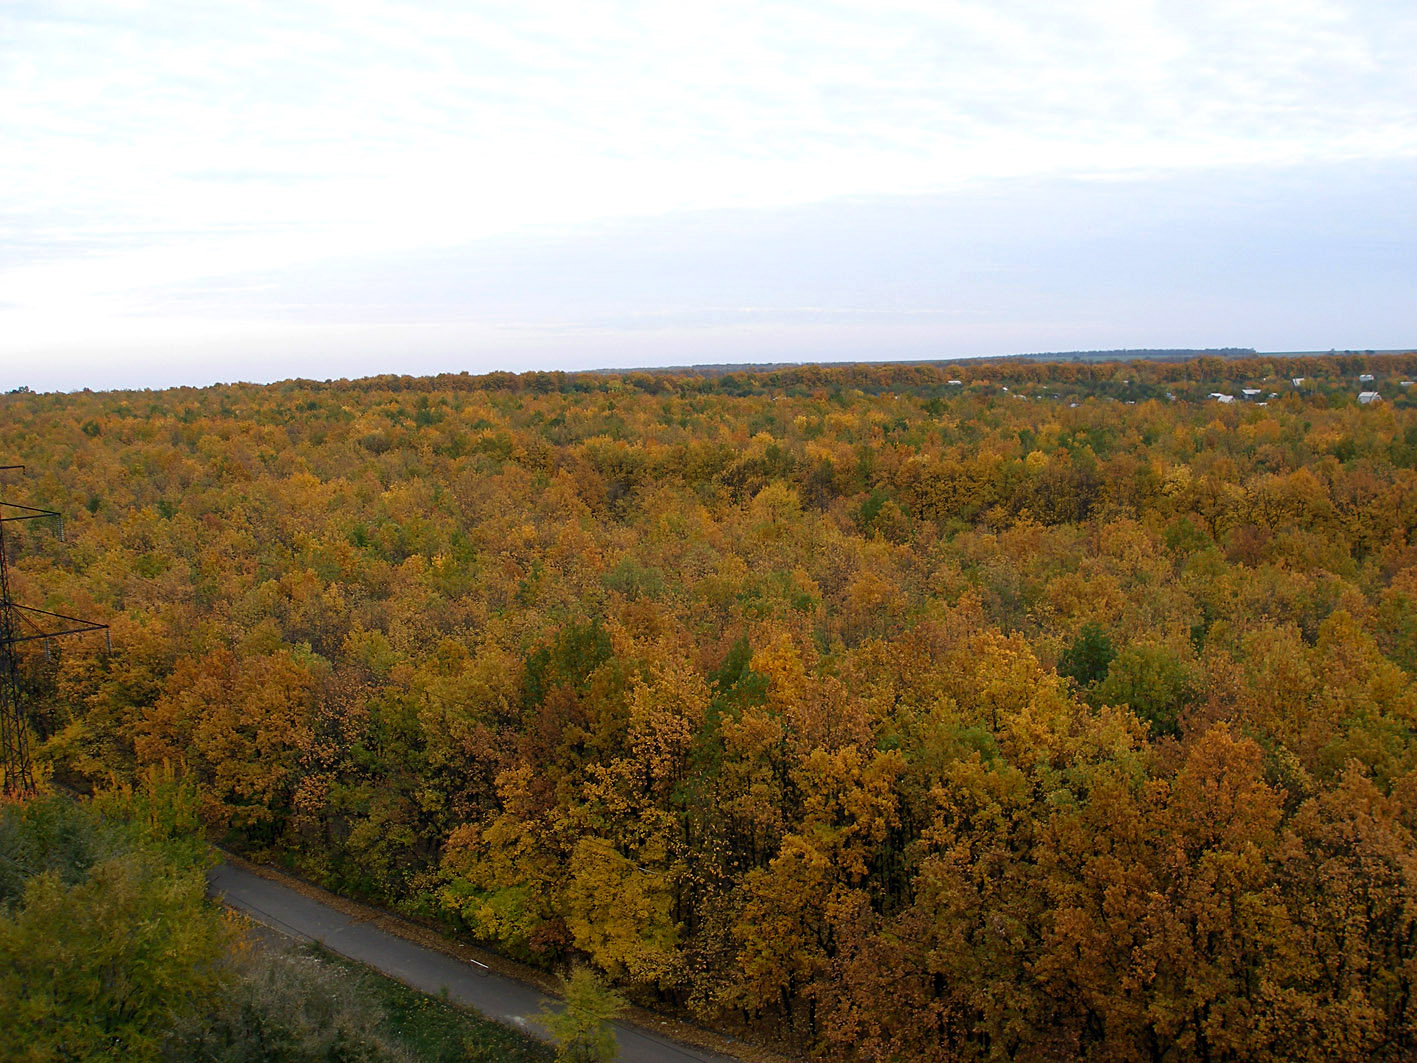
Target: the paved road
(496, 996)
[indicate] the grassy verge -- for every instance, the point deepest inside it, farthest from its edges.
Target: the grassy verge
(435, 1031)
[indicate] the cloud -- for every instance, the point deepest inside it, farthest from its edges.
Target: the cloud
(148, 145)
(586, 109)
(1283, 258)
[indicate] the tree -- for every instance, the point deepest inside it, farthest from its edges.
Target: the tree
(582, 1029)
(1086, 661)
(1153, 681)
(100, 961)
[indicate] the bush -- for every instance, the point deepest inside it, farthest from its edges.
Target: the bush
(291, 1007)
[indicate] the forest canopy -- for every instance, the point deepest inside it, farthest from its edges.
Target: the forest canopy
(981, 711)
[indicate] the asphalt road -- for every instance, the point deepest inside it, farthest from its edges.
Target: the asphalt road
(496, 996)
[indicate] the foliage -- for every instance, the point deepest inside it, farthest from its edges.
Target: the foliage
(1154, 682)
(1090, 656)
(581, 1027)
(289, 1006)
(109, 941)
(49, 836)
(884, 716)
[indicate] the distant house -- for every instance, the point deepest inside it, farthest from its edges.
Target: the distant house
(1405, 384)
(1365, 378)
(955, 383)
(1367, 398)
(1250, 394)
(1299, 381)
(1220, 396)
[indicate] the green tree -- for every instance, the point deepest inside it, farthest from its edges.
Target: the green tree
(101, 968)
(582, 1029)
(1154, 682)
(1088, 658)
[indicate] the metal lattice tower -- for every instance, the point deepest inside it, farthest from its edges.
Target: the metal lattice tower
(14, 728)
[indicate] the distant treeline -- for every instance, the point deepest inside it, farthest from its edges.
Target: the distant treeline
(1078, 374)
(1160, 354)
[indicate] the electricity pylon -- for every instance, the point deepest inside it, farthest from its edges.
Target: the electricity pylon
(14, 727)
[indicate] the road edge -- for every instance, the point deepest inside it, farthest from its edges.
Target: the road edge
(647, 1021)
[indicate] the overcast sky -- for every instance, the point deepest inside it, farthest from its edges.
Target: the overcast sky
(207, 192)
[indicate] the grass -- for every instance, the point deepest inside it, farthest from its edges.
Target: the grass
(435, 1031)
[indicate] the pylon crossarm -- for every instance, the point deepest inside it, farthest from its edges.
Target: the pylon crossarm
(40, 633)
(31, 513)
(56, 634)
(90, 624)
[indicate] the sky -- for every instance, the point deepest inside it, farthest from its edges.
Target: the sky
(197, 193)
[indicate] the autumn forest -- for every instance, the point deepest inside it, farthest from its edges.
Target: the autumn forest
(987, 711)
